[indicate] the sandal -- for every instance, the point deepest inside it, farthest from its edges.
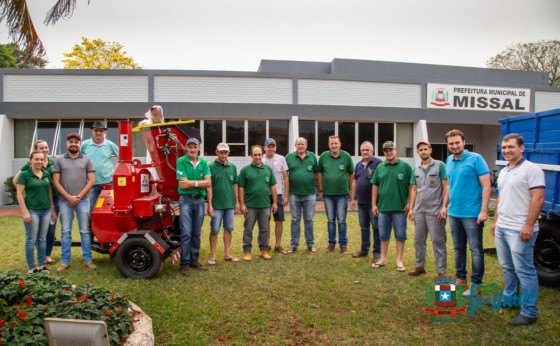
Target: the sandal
(377, 265)
(231, 259)
(51, 262)
(401, 269)
(211, 262)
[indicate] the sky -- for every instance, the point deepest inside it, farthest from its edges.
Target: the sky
(235, 35)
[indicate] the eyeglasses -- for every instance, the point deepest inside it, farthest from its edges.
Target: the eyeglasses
(99, 130)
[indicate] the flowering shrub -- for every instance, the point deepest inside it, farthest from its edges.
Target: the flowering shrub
(26, 300)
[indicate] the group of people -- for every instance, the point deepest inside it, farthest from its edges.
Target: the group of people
(50, 188)
(385, 193)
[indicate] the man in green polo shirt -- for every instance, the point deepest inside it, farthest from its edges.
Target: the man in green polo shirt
(222, 202)
(256, 187)
(193, 175)
(392, 183)
(302, 171)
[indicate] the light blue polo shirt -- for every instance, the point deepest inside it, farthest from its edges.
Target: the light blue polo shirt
(102, 156)
(465, 191)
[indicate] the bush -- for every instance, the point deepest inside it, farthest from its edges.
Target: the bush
(10, 189)
(26, 300)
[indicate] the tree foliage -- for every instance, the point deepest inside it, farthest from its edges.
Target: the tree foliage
(21, 27)
(12, 57)
(7, 59)
(98, 54)
(543, 56)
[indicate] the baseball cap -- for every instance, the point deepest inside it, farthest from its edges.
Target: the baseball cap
(388, 145)
(423, 142)
(269, 141)
(222, 147)
(74, 135)
(193, 141)
(98, 124)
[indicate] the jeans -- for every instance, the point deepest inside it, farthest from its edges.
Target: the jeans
(93, 195)
(306, 205)
(516, 259)
(463, 229)
(52, 228)
(66, 217)
(336, 208)
(190, 221)
(367, 220)
(36, 236)
(225, 215)
(394, 219)
(253, 215)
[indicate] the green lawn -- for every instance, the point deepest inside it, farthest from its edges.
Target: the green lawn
(301, 299)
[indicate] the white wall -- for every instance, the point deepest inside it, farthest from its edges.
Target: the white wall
(6, 153)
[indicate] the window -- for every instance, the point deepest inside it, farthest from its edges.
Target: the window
(212, 136)
(366, 132)
(66, 128)
(386, 132)
(347, 134)
(307, 131)
(404, 140)
(235, 137)
(324, 130)
(278, 129)
(257, 133)
(23, 139)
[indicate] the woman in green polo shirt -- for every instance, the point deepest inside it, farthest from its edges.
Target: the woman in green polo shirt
(36, 202)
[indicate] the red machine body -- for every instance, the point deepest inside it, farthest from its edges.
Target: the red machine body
(141, 205)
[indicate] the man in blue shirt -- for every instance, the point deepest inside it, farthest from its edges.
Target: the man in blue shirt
(469, 194)
(101, 151)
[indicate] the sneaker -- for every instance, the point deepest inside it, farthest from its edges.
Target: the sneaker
(359, 254)
(280, 249)
(343, 249)
(521, 320)
(198, 265)
(330, 248)
(185, 270)
(247, 256)
(292, 249)
(468, 291)
(311, 248)
(62, 267)
(265, 255)
(90, 265)
(417, 271)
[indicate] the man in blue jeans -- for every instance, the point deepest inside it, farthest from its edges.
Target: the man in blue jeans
(193, 174)
(302, 171)
(335, 178)
(521, 186)
(361, 196)
(73, 177)
(469, 194)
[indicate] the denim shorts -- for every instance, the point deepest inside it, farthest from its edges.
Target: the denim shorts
(279, 215)
(394, 219)
(222, 214)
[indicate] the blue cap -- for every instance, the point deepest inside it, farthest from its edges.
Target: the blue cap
(193, 141)
(269, 141)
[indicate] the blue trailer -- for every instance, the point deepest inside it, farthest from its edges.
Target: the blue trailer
(541, 132)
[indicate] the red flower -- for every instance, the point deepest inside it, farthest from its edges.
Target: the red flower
(21, 282)
(86, 298)
(64, 289)
(73, 304)
(91, 281)
(2, 323)
(21, 315)
(29, 300)
(46, 308)
(13, 325)
(107, 313)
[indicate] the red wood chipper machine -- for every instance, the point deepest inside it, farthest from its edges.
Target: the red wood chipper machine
(136, 220)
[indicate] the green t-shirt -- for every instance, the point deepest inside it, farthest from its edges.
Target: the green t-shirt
(392, 181)
(257, 182)
(224, 177)
(336, 173)
(185, 169)
(27, 166)
(302, 173)
(36, 190)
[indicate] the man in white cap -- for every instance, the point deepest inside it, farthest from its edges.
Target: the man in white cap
(223, 202)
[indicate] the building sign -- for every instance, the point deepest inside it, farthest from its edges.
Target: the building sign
(480, 98)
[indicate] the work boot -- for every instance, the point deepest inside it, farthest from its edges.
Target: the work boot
(521, 320)
(360, 254)
(469, 290)
(185, 270)
(247, 256)
(280, 249)
(417, 271)
(461, 283)
(198, 265)
(330, 248)
(343, 249)
(90, 265)
(62, 267)
(265, 255)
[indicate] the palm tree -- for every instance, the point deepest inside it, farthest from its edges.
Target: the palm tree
(20, 25)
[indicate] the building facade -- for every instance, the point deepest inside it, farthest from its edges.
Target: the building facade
(355, 99)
